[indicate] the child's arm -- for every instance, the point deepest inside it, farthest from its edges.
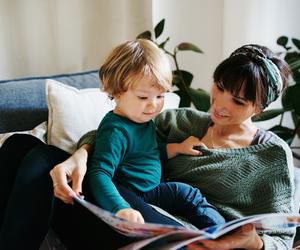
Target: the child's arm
(185, 147)
(110, 147)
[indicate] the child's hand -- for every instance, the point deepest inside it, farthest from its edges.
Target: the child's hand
(186, 147)
(131, 215)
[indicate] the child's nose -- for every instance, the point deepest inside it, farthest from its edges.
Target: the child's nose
(152, 103)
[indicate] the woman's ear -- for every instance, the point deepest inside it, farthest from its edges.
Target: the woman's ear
(258, 110)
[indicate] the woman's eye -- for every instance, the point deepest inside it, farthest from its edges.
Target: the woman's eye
(220, 87)
(238, 102)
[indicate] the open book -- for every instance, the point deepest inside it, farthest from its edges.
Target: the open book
(158, 236)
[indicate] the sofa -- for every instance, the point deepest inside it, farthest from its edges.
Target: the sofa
(25, 106)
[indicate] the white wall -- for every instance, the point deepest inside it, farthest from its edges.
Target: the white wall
(259, 21)
(44, 37)
(199, 22)
(220, 26)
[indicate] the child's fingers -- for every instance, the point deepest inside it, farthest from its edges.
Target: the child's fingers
(196, 152)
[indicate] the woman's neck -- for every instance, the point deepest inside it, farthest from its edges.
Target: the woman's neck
(232, 130)
(231, 136)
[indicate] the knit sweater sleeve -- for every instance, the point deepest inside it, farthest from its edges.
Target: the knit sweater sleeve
(88, 138)
(175, 125)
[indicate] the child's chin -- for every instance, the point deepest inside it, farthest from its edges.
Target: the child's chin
(146, 119)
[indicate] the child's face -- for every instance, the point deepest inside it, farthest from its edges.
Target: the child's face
(141, 102)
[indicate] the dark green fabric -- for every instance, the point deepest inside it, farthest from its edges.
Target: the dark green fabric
(239, 182)
(126, 152)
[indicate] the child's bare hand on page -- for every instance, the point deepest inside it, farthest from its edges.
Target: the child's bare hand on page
(131, 215)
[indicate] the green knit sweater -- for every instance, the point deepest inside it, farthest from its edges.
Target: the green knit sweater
(239, 182)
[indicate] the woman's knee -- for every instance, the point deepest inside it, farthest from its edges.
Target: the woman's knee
(22, 139)
(46, 155)
(19, 144)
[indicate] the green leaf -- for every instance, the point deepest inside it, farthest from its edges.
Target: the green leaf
(162, 45)
(177, 78)
(284, 133)
(200, 98)
(189, 46)
(296, 155)
(286, 99)
(282, 41)
(268, 114)
(290, 98)
(145, 35)
(159, 28)
(292, 58)
(185, 100)
(296, 120)
(296, 42)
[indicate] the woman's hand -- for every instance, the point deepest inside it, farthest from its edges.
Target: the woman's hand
(245, 237)
(186, 147)
(73, 169)
(131, 215)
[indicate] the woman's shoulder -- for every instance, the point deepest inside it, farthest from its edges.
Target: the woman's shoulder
(278, 143)
(262, 136)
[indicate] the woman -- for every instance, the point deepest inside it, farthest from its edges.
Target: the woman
(244, 84)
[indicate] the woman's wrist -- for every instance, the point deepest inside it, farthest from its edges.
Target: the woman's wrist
(87, 148)
(172, 150)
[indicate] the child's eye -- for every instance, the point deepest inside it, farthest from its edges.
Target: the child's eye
(160, 96)
(142, 97)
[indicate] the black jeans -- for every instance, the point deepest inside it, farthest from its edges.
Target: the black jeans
(28, 207)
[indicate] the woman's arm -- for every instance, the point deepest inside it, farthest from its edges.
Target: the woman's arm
(73, 169)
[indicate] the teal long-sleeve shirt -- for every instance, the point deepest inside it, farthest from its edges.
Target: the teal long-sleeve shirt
(127, 153)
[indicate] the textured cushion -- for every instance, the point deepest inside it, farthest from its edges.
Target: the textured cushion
(73, 112)
(23, 102)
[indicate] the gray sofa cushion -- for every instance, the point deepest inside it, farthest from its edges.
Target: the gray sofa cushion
(23, 102)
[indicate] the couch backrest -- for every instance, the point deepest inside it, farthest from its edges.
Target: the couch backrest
(23, 101)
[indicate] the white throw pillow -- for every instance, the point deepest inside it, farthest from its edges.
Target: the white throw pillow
(38, 131)
(73, 112)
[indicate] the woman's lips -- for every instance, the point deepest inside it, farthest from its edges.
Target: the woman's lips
(219, 114)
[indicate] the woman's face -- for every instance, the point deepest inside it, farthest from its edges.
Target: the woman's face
(227, 109)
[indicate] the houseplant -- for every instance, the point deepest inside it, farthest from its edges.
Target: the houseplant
(290, 99)
(182, 79)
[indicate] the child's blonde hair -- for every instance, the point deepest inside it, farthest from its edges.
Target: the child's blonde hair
(135, 60)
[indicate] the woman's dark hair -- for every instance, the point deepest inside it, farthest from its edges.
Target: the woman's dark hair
(245, 71)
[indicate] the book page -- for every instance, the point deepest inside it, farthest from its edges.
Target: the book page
(161, 241)
(128, 228)
(173, 237)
